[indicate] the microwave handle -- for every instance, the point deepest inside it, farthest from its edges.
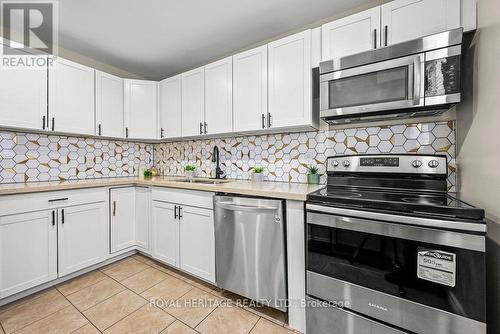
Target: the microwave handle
(417, 80)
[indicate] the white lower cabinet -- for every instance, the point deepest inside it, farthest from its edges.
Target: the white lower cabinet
(183, 231)
(28, 251)
(142, 218)
(82, 239)
(197, 242)
(165, 233)
(122, 207)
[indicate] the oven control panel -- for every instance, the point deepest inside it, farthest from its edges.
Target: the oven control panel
(404, 164)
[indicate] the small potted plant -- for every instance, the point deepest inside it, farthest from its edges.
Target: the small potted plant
(148, 173)
(258, 174)
(190, 170)
(312, 175)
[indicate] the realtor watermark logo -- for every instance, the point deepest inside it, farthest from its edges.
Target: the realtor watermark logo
(29, 31)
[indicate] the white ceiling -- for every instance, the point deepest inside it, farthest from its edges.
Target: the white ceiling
(154, 39)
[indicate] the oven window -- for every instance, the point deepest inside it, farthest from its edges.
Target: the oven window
(371, 88)
(389, 265)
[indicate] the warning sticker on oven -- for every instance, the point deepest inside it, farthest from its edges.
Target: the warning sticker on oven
(437, 266)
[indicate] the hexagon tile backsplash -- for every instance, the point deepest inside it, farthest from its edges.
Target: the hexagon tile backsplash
(38, 157)
(285, 157)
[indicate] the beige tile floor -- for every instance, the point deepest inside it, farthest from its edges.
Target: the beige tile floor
(117, 299)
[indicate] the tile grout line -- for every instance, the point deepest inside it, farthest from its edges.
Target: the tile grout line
(99, 281)
(81, 312)
(34, 322)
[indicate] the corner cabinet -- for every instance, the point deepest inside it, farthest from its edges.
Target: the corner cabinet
(122, 213)
(143, 218)
(193, 102)
(289, 82)
(250, 89)
(352, 34)
(170, 108)
(141, 109)
(109, 105)
(71, 98)
(219, 97)
(404, 20)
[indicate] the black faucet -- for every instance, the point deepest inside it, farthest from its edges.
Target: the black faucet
(219, 174)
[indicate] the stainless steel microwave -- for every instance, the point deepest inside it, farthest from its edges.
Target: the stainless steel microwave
(418, 77)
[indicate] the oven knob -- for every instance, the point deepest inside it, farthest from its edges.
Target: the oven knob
(346, 163)
(416, 163)
(433, 163)
(335, 163)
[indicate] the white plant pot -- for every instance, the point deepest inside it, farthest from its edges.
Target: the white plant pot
(258, 177)
(191, 174)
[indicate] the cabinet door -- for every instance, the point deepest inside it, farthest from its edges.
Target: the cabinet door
(71, 98)
(219, 96)
(109, 105)
(82, 237)
(170, 111)
(193, 102)
(352, 34)
(28, 251)
(250, 89)
(197, 242)
(142, 217)
(165, 234)
(141, 109)
(122, 207)
(290, 81)
(404, 20)
(23, 97)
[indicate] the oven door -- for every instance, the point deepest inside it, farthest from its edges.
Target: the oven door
(417, 278)
(387, 85)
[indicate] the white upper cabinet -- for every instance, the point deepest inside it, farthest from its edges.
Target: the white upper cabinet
(352, 34)
(23, 98)
(219, 96)
(193, 102)
(404, 20)
(170, 110)
(141, 109)
(71, 98)
(250, 89)
(109, 105)
(290, 81)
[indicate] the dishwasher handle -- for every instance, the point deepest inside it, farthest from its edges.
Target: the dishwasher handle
(248, 208)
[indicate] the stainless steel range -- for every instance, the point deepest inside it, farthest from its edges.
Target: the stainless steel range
(387, 243)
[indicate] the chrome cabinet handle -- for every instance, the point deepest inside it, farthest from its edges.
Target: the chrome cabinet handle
(263, 121)
(114, 208)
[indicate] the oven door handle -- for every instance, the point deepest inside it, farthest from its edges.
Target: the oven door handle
(395, 230)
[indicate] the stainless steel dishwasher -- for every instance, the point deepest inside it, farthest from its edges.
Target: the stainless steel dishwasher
(250, 248)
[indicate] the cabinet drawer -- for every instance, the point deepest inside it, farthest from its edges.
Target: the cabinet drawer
(12, 204)
(201, 199)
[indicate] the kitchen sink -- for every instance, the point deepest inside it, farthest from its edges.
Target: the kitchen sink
(204, 181)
